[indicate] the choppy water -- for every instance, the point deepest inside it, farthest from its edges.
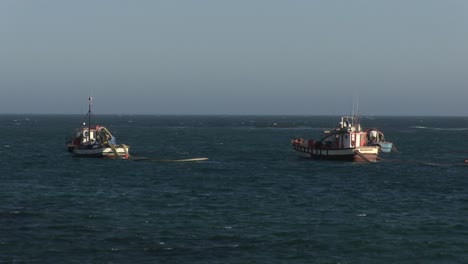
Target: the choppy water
(254, 201)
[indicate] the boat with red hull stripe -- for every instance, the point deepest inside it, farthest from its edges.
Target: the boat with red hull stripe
(347, 142)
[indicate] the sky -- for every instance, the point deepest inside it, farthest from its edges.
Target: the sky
(243, 57)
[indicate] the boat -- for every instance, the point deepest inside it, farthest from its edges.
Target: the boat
(347, 142)
(95, 141)
(377, 138)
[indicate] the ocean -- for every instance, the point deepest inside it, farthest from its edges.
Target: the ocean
(253, 201)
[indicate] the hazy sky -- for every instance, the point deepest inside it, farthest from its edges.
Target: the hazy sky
(403, 57)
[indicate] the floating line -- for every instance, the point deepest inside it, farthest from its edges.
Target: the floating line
(166, 160)
(426, 163)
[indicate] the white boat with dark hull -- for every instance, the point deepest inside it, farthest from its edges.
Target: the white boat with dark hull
(96, 141)
(348, 142)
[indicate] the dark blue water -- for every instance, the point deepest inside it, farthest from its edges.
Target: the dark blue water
(253, 201)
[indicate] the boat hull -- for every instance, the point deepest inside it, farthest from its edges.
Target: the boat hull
(121, 151)
(357, 154)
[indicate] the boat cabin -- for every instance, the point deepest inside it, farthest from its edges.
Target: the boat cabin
(347, 135)
(86, 136)
(339, 139)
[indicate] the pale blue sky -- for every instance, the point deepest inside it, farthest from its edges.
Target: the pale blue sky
(404, 57)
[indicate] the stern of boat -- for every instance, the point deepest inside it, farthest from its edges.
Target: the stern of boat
(366, 154)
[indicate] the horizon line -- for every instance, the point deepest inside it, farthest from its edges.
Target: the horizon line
(192, 114)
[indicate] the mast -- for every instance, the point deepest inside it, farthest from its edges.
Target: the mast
(356, 109)
(89, 118)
